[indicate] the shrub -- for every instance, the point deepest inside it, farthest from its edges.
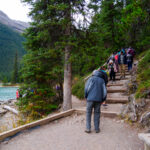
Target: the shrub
(78, 88)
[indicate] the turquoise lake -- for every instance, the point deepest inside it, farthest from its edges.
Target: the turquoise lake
(7, 93)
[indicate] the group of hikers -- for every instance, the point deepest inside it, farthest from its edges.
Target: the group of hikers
(95, 87)
(118, 60)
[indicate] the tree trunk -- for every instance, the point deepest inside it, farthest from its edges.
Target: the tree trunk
(124, 3)
(67, 81)
(67, 102)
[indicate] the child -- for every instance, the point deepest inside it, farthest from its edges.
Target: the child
(112, 70)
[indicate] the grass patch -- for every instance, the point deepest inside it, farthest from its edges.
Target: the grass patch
(143, 77)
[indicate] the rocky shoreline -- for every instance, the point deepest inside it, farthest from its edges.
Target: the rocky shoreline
(8, 120)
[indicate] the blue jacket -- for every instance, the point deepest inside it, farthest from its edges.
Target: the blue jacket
(95, 88)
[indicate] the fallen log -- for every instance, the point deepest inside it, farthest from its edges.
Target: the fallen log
(11, 109)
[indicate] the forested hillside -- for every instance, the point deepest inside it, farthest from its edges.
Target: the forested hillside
(10, 43)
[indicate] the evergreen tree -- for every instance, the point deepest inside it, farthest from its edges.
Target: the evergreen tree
(51, 40)
(105, 24)
(135, 24)
(15, 69)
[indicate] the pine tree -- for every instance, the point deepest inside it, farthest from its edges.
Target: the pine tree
(15, 70)
(50, 43)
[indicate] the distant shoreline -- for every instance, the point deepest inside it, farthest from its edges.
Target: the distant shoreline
(9, 86)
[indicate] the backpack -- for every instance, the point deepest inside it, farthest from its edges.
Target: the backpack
(129, 58)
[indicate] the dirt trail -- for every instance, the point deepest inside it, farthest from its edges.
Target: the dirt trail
(68, 134)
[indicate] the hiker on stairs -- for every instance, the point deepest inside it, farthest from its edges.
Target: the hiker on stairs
(122, 62)
(105, 77)
(95, 94)
(129, 61)
(104, 74)
(112, 70)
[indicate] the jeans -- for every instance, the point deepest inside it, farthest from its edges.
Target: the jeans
(122, 70)
(112, 75)
(89, 107)
(129, 66)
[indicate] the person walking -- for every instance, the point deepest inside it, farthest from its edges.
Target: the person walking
(122, 62)
(129, 61)
(105, 77)
(95, 94)
(104, 74)
(112, 70)
(116, 62)
(17, 94)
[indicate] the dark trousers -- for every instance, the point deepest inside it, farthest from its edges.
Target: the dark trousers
(89, 107)
(129, 66)
(112, 75)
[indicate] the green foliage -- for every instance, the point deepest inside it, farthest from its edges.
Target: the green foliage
(5, 81)
(15, 71)
(135, 24)
(78, 87)
(50, 34)
(10, 42)
(143, 77)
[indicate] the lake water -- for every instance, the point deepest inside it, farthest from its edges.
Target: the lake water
(7, 93)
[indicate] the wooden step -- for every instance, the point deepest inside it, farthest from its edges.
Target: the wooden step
(116, 89)
(122, 78)
(126, 77)
(110, 84)
(116, 83)
(111, 110)
(126, 74)
(117, 95)
(116, 100)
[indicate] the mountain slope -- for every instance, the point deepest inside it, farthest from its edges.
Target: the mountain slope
(14, 24)
(10, 42)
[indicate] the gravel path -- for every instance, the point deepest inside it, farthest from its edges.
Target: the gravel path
(68, 134)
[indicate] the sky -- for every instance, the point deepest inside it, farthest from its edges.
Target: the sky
(15, 10)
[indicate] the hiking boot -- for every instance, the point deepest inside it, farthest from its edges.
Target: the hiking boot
(88, 131)
(104, 104)
(97, 131)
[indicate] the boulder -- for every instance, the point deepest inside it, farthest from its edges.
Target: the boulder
(145, 119)
(130, 109)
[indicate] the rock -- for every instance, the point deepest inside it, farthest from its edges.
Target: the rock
(2, 111)
(141, 103)
(132, 116)
(145, 119)
(122, 121)
(124, 110)
(9, 101)
(130, 110)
